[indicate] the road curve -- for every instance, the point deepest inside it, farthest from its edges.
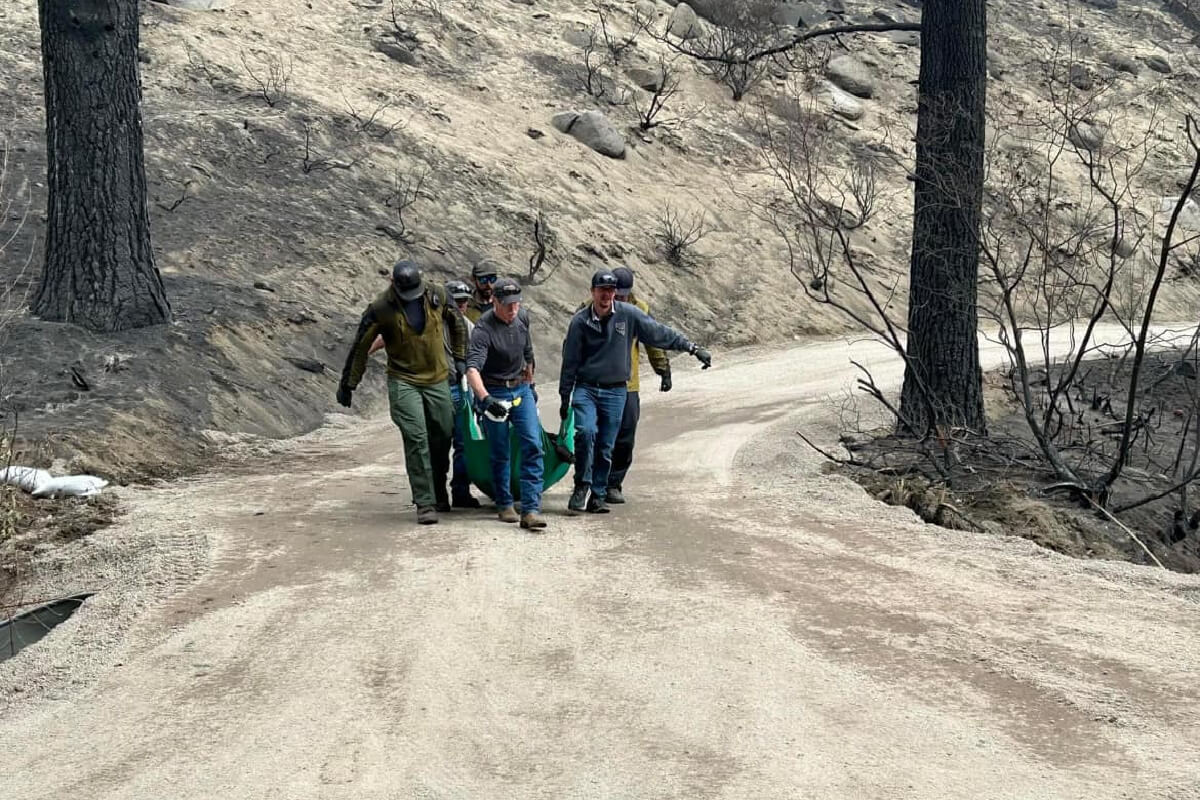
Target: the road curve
(747, 627)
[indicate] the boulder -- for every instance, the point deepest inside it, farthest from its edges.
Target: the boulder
(1080, 78)
(1189, 216)
(593, 129)
(683, 22)
(840, 102)
(1158, 64)
(646, 9)
(564, 120)
(579, 37)
(904, 38)
(1086, 135)
(649, 79)
(1121, 63)
(395, 51)
(995, 64)
(1124, 248)
(850, 74)
(804, 14)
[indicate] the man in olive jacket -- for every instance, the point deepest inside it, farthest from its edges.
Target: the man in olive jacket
(411, 316)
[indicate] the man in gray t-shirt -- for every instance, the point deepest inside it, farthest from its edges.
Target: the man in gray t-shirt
(499, 372)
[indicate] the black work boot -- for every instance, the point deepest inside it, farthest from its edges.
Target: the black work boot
(465, 501)
(442, 502)
(596, 505)
(614, 495)
(578, 502)
(427, 515)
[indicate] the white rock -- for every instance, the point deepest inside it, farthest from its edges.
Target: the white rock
(683, 22)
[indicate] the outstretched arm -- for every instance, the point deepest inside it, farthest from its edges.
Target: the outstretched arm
(655, 333)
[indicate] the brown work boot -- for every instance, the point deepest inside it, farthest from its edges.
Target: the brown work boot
(532, 520)
(508, 514)
(427, 515)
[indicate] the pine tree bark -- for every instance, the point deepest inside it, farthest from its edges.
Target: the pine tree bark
(99, 269)
(943, 384)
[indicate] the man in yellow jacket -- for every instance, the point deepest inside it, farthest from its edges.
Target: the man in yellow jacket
(622, 456)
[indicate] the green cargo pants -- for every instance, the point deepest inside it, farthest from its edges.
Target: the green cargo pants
(425, 417)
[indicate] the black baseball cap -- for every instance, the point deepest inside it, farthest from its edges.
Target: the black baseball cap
(484, 268)
(624, 280)
(507, 291)
(604, 278)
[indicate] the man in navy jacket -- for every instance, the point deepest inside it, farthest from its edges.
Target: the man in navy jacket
(596, 364)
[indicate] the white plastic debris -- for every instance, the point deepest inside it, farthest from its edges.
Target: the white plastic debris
(27, 479)
(71, 486)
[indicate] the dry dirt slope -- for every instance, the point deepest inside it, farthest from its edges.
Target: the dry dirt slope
(233, 205)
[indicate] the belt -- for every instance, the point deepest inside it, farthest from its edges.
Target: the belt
(596, 385)
(498, 384)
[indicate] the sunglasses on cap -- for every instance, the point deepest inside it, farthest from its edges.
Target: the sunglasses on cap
(486, 279)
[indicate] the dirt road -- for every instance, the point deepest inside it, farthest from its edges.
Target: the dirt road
(747, 627)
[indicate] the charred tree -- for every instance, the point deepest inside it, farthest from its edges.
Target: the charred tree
(943, 384)
(99, 270)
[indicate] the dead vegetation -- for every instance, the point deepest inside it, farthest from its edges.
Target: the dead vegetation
(1072, 244)
(407, 188)
(270, 75)
(678, 233)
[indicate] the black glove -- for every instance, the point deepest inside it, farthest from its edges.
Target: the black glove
(460, 370)
(494, 407)
(666, 381)
(563, 409)
(343, 394)
(703, 356)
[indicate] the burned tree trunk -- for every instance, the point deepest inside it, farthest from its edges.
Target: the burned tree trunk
(942, 379)
(99, 270)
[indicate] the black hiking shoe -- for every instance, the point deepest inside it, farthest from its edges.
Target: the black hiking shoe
(578, 502)
(614, 495)
(466, 501)
(442, 507)
(596, 505)
(427, 515)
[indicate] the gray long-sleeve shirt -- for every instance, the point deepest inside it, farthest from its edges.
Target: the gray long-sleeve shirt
(597, 351)
(500, 350)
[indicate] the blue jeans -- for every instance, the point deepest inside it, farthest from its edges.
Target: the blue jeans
(529, 433)
(460, 484)
(598, 415)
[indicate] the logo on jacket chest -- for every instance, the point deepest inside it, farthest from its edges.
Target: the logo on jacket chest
(619, 327)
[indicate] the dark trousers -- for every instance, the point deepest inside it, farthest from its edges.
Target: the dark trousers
(460, 483)
(622, 456)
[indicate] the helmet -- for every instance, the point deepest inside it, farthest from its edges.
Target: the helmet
(406, 277)
(458, 290)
